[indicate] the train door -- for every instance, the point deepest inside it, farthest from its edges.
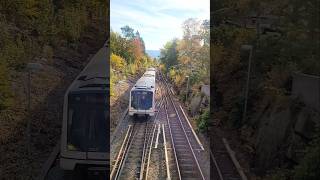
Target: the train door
(98, 128)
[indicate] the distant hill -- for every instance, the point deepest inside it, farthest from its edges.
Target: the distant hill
(153, 53)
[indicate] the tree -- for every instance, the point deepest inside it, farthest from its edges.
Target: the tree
(127, 32)
(137, 49)
(169, 54)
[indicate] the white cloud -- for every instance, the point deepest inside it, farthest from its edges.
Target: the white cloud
(158, 21)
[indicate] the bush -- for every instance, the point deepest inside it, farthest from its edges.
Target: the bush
(132, 69)
(309, 167)
(117, 62)
(172, 73)
(203, 120)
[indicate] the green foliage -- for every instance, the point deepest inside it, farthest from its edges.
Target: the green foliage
(293, 47)
(128, 32)
(121, 47)
(169, 54)
(189, 56)
(203, 120)
(172, 73)
(72, 21)
(309, 167)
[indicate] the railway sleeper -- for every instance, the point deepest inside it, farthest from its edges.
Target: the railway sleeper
(189, 174)
(190, 178)
(184, 160)
(185, 167)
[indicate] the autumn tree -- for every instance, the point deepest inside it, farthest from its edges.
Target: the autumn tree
(169, 54)
(127, 54)
(189, 56)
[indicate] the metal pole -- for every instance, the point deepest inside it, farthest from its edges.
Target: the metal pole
(187, 88)
(29, 118)
(247, 87)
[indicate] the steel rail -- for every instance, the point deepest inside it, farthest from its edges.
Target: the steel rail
(149, 152)
(166, 153)
(187, 138)
(150, 142)
(127, 150)
(170, 130)
(145, 144)
(120, 158)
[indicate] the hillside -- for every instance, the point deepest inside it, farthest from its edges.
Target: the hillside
(61, 36)
(256, 52)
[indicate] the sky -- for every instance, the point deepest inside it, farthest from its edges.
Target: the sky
(158, 21)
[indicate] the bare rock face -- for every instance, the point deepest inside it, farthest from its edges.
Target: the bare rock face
(195, 104)
(283, 132)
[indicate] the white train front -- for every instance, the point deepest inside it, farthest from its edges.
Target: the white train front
(142, 95)
(85, 126)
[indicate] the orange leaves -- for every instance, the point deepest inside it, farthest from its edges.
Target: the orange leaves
(137, 48)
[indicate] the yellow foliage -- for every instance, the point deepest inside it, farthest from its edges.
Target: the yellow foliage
(184, 59)
(178, 80)
(172, 73)
(117, 62)
(132, 68)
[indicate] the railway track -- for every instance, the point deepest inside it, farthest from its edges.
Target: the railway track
(132, 159)
(185, 148)
(134, 156)
(223, 163)
(183, 160)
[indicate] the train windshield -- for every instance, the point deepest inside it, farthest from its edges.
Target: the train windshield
(141, 100)
(87, 122)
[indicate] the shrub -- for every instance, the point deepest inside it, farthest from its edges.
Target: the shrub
(132, 69)
(203, 120)
(309, 167)
(117, 62)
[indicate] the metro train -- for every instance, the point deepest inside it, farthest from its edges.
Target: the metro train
(85, 127)
(142, 95)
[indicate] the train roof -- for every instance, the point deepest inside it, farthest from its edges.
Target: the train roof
(95, 75)
(147, 83)
(149, 73)
(151, 69)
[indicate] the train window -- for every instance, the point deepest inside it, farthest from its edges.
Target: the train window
(87, 123)
(141, 100)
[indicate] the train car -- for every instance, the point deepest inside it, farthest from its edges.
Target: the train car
(151, 69)
(149, 74)
(85, 128)
(142, 96)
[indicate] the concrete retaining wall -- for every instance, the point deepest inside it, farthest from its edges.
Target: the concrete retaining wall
(307, 88)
